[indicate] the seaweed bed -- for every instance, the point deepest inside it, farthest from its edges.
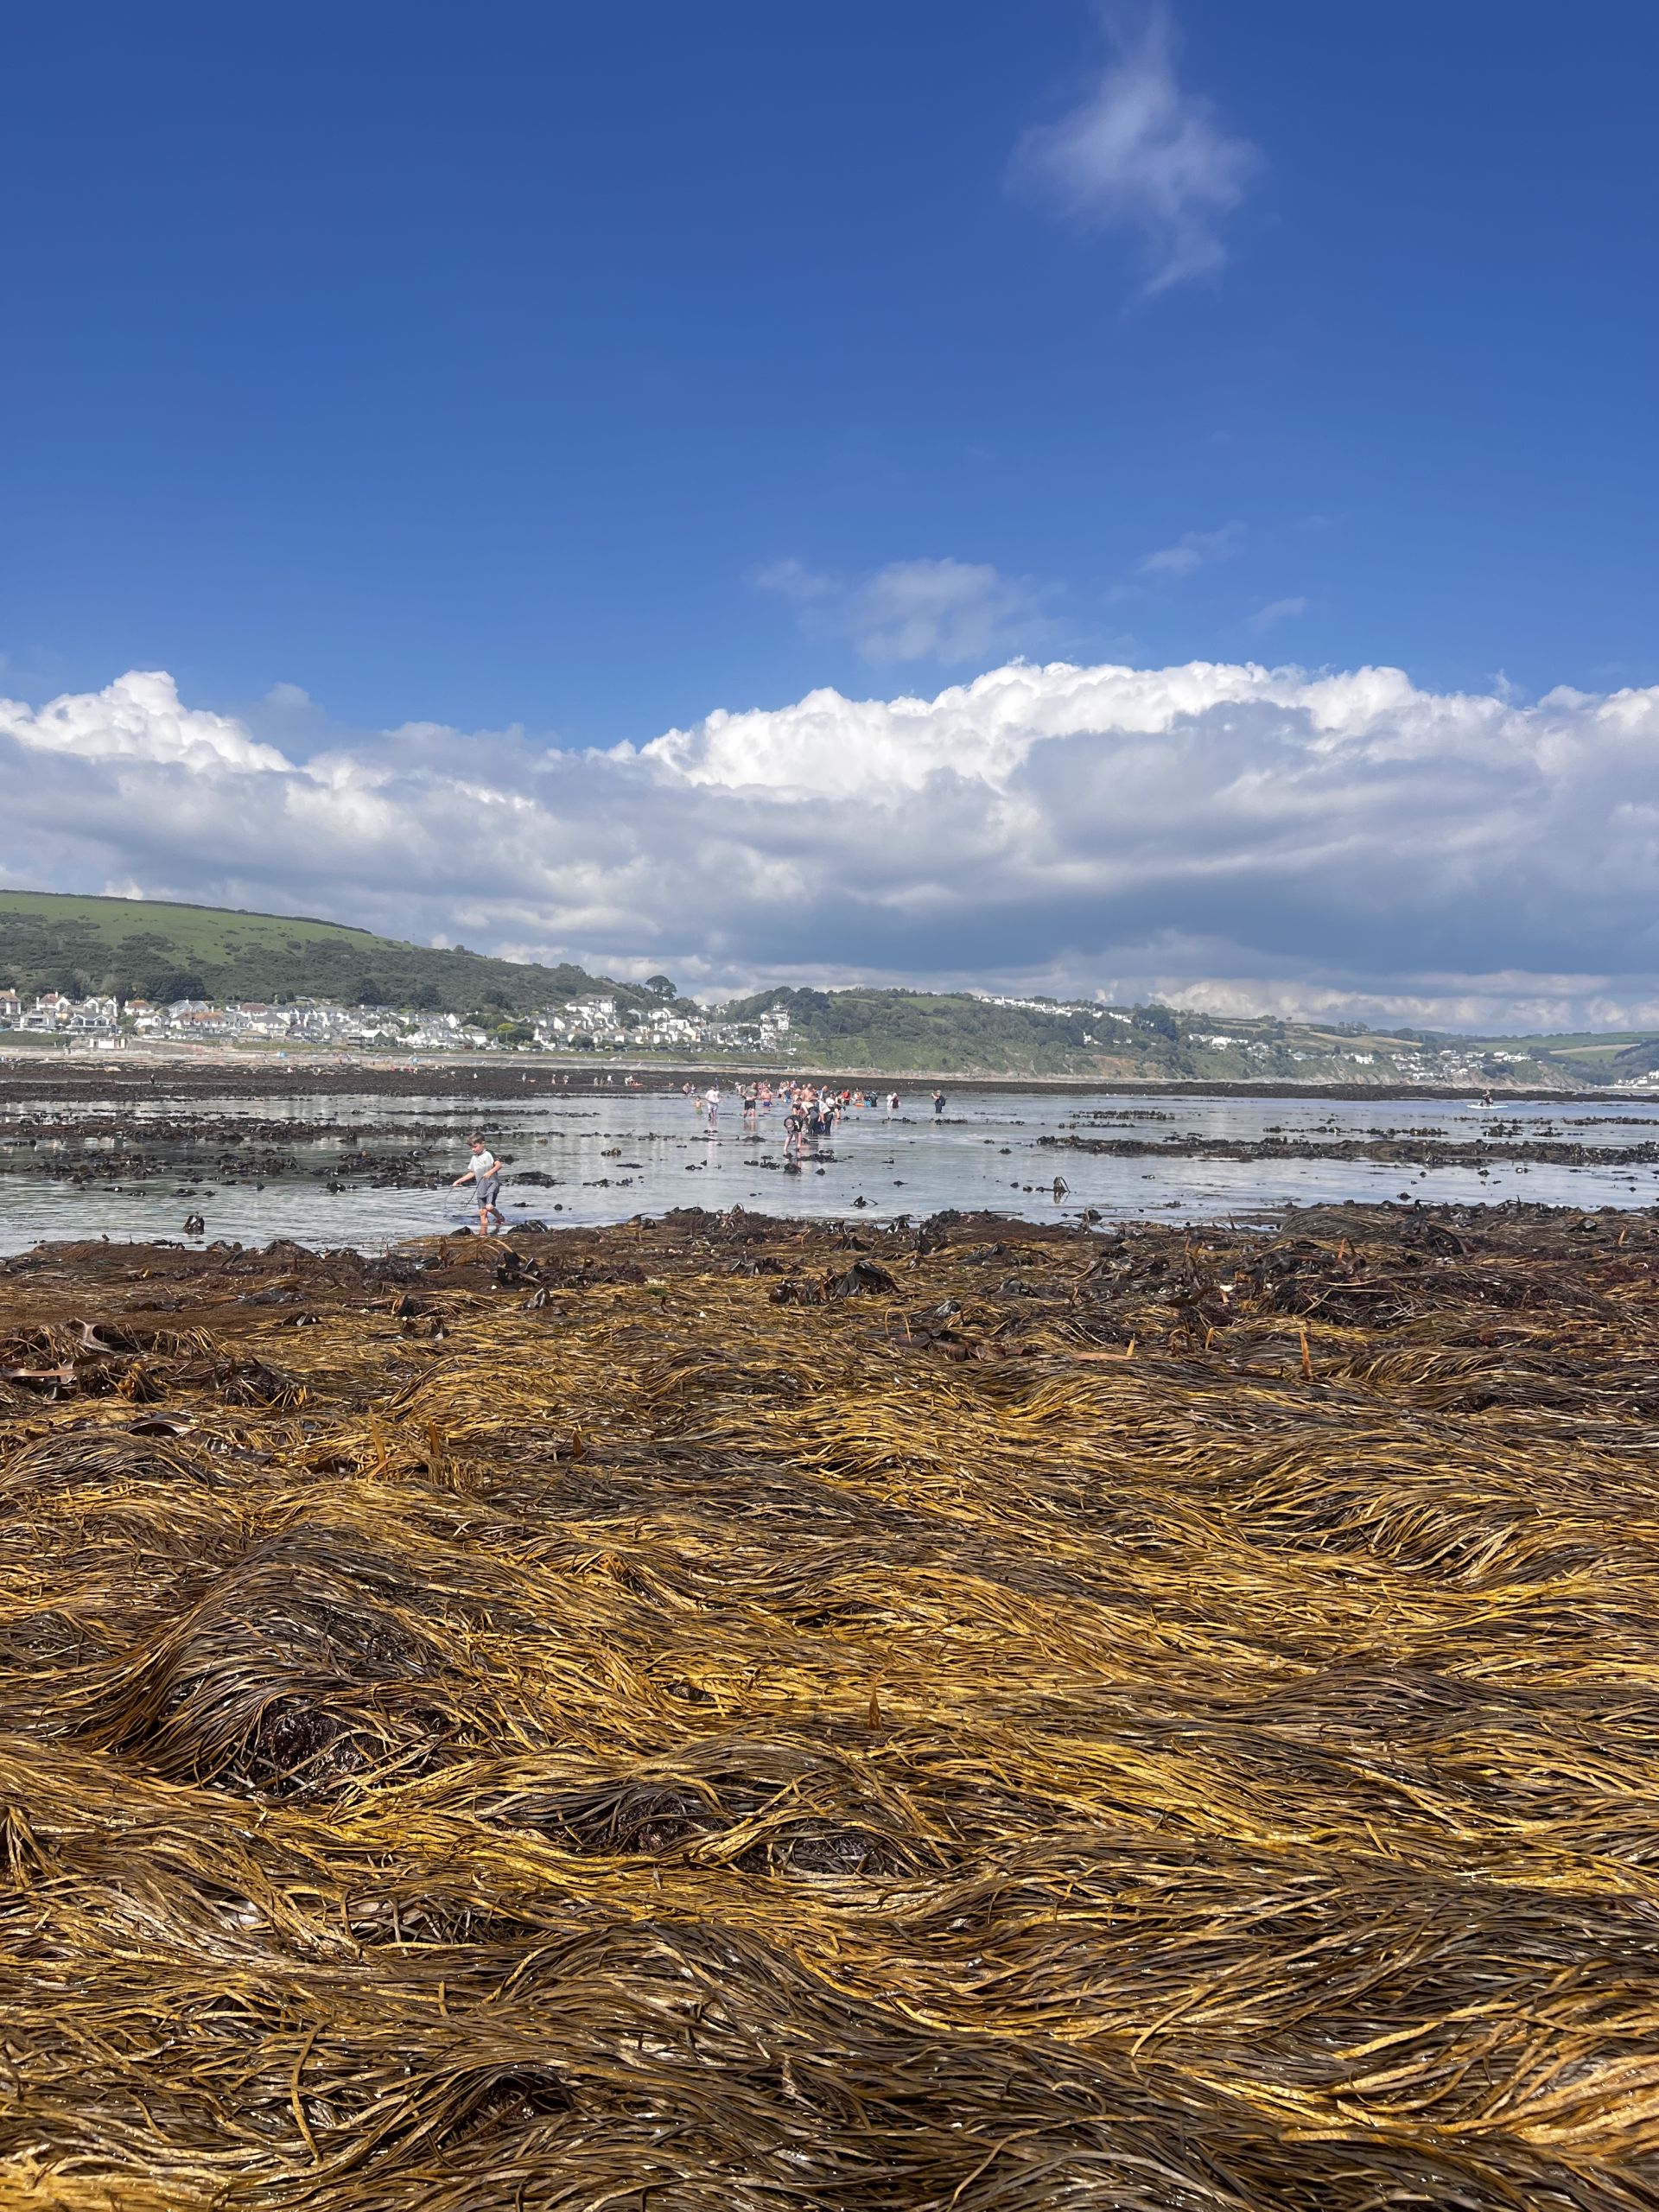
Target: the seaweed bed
(1418, 1147)
(718, 1715)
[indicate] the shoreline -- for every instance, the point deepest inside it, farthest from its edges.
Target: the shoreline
(493, 1076)
(524, 1242)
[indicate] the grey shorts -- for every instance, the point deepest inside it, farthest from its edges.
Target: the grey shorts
(489, 1191)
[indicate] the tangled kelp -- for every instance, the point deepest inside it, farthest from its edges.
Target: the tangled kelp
(721, 1715)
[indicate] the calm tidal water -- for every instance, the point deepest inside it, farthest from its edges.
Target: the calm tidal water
(612, 1155)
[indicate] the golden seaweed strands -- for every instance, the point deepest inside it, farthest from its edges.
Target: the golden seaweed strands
(725, 1714)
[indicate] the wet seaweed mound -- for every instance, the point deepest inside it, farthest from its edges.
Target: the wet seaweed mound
(722, 1715)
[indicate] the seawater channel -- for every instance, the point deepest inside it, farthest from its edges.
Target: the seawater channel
(369, 1170)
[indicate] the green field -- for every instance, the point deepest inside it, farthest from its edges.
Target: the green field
(1588, 1055)
(140, 948)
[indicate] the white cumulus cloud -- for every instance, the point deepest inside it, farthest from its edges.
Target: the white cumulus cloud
(1234, 835)
(138, 717)
(1141, 154)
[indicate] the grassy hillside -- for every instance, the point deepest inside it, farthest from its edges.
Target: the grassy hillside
(1589, 1056)
(958, 1033)
(954, 1032)
(142, 948)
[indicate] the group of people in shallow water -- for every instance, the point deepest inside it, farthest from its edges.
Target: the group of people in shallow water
(811, 1112)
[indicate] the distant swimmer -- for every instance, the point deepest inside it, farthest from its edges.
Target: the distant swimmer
(485, 1176)
(938, 1104)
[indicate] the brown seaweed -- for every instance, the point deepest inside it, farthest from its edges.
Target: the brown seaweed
(1165, 1720)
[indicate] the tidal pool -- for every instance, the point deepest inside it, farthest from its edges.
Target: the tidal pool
(608, 1155)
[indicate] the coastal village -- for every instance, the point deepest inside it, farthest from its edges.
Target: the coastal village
(595, 1024)
(681, 1029)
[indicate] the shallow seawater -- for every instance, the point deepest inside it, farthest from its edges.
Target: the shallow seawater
(614, 1153)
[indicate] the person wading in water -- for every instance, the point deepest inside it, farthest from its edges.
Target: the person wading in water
(485, 1176)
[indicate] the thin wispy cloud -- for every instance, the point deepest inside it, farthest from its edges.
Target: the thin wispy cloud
(1140, 154)
(948, 612)
(1277, 611)
(1193, 550)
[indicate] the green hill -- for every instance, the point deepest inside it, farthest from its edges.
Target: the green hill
(958, 1033)
(140, 948)
(144, 949)
(1589, 1056)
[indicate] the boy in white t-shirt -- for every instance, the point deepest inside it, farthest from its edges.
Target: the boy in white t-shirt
(485, 1176)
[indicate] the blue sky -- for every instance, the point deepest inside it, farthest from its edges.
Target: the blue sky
(590, 369)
